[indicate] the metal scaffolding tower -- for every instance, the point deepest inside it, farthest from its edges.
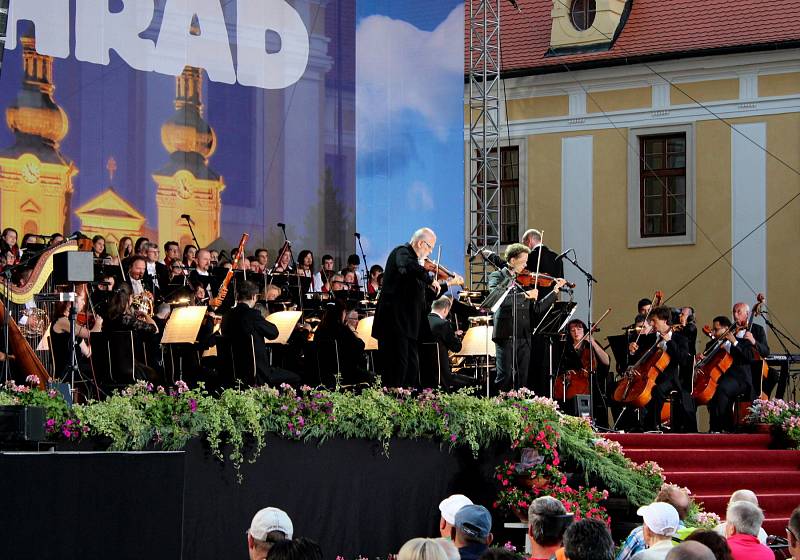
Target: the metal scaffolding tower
(484, 133)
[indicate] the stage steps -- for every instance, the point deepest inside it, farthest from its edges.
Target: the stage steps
(713, 466)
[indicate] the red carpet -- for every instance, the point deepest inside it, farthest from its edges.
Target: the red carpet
(713, 466)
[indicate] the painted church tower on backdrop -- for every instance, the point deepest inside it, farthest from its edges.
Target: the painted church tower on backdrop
(35, 178)
(186, 184)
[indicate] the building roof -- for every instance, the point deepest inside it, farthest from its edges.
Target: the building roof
(655, 29)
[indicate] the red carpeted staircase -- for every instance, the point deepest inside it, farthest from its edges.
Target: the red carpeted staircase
(712, 466)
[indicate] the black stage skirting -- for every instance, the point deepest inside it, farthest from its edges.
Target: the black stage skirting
(345, 494)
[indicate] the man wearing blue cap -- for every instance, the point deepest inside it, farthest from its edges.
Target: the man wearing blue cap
(472, 533)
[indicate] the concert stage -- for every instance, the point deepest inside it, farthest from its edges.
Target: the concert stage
(347, 494)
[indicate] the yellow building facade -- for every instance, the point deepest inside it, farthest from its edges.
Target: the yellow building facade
(581, 137)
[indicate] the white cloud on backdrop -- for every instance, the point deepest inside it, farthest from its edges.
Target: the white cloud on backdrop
(402, 68)
(420, 197)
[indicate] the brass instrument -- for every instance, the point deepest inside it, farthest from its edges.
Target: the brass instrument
(142, 303)
(35, 324)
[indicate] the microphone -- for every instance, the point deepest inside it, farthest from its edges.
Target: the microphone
(516, 7)
(281, 225)
(562, 255)
(76, 235)
(358, 235)
(186, 216)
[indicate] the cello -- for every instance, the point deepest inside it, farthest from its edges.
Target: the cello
(708, 371)
(572, 383)
(636, 386)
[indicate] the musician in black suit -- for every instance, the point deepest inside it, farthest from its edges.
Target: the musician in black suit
(677, 347)
(156, 271)
(548, 263)
(512, 319)
(201, 274)
(242, 322)
(443, 334)
(756, 337)
(402, 307)
(137, 278)
(737, 380)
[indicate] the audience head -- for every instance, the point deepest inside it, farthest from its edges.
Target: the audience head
(450, 550)
(421, 549)
(588, 539)
(692, 550)
(743, 495)
(297, 549)
(547, 521)
(473, 525)
(661, 521)
(268, 527)
(714, 541)
(448, 508)
(743, 518)
(793, 533)
(675, 496)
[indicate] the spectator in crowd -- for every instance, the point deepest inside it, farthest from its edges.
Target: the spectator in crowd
(660, 524)
(421, 549)
(450, 550)
(472, 531)
(670, 494)
(743, 496)
(297, 549)
(547, 521)
(588, 539)
(269, 526)
(792, 533)
(448, 508)
(743, 520)
(499, 553)
(690, 550)
(714, 541)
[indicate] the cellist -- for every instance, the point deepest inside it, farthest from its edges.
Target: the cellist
(733, 382)
(676, 346)
(583, 353)
(757, 337)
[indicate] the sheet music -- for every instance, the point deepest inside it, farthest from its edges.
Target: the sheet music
(286, 322)
(183, 325)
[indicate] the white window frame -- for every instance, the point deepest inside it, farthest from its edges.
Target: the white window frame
(635, 238)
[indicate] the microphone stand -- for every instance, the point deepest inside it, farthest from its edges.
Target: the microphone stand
(364, 260)
(590, 281)
(191, 230)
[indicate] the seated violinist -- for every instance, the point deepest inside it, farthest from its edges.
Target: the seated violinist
(675, 345)
(349, 348)
(61, 340)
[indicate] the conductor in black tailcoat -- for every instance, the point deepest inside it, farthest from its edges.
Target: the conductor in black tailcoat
(402, 307)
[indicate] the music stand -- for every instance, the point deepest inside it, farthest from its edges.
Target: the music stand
(286, 321)
(550, 326)
(182, 327)
(478, 342)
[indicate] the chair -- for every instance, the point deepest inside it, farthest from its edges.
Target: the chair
(121, 350)
(327, 363)
(236, 361)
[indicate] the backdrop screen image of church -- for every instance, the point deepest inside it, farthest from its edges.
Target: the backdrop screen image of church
(122, 136)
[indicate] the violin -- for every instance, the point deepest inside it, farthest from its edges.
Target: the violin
(86, 319)
(528, 280)
(441, 272)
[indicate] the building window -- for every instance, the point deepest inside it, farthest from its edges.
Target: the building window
(509, 201)
(662, 195)
(582, 14)
(661, 192)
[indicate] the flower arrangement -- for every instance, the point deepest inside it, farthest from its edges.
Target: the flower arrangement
(781, 415)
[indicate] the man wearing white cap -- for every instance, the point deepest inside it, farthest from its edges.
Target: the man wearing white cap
(269, 526)
(449, 507)
(660, 523)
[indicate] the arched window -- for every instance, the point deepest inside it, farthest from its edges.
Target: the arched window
(582, 14)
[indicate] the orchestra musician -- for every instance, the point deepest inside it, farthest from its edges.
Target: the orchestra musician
(512, 319)
(323, 277)
(262, 258)
(587, 356)
(402, 308)
(137, 277)
(201, 275)
(121, 316)
(124, 250)
(305, 267)
(99, 247)
(172, 253)
(61, 340)
(189, 252)
(9, 249)
(375, 278)
(442, 333)
(674, 343)
(284, 264)
(350, 349)
(157, 272)
(140, 247)
(56, 239)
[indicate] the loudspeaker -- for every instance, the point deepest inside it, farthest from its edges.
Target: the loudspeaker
(583, 406)
(73, 266)
(21, 423)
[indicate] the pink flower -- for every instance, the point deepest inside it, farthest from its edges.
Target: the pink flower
(453, 437)
(32, 380)
(181, 386)
(193, 405)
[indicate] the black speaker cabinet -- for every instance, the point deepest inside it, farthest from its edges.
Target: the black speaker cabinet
(583, 406)
(73, 266)
(21, 423)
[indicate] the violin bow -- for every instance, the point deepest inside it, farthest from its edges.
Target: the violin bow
(594, 326)
(538, 260)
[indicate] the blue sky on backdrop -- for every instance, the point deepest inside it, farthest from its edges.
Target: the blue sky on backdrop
(409, 123)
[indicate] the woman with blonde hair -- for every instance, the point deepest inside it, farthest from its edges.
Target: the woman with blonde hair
(421, 549)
